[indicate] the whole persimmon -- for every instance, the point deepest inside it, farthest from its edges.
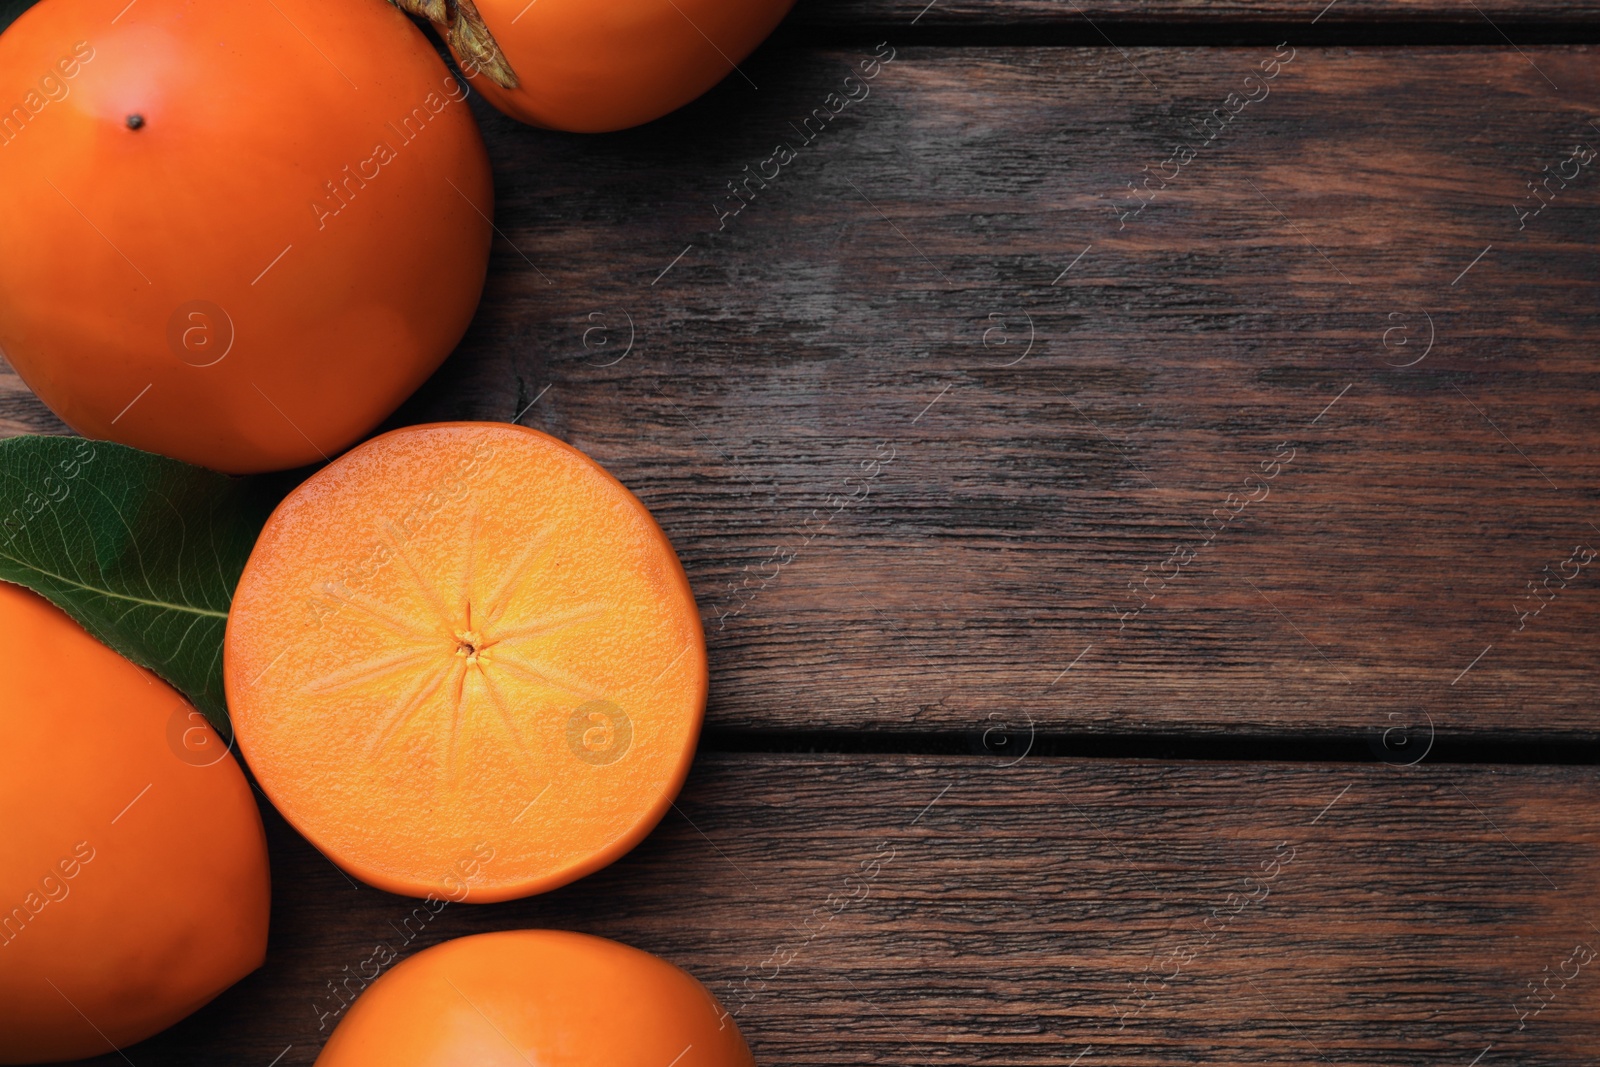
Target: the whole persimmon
(543, 997)
(133, 866)
(591, 66)
(464, 661)
(238, 234)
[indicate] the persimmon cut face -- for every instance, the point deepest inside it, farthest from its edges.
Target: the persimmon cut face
(463, 660)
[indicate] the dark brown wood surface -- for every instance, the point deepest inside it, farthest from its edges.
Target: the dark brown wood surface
(895, 910)
(1192, 14)
(877, 300)
(920, 417)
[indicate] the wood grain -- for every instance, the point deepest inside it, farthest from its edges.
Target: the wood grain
(876, 300)
(1200, 13)
(995, 914)
(846, 16)
(920, 412)
(858, 304)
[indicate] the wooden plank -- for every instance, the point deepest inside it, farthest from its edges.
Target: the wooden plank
(1200, 13)
(1134, 15)
(899, 516)
(892, 910)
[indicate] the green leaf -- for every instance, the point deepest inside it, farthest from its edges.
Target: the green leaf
(142, 550)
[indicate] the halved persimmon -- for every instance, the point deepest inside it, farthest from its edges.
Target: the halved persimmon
(464, 661)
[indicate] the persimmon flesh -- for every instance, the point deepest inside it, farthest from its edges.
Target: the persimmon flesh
(133, 865)
(238, 234)
(464, 661)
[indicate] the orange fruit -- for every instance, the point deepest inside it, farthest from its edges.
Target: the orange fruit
(464, 661)
(592, 67)
(543, 997)
(133, 865)
(238, 234)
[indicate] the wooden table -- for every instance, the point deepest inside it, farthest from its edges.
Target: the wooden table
(1119, 559)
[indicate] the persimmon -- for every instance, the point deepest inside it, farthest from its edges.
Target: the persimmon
(548, 997)
(590, 67)
(465, 662)
(236, 234)
(133, 865)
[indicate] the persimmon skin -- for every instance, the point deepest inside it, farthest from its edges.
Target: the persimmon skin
(594, 67)
(206, 253)
(132, 847)
(549, 997)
